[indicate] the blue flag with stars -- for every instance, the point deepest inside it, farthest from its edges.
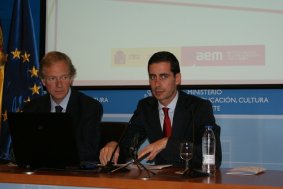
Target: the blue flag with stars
(21, 81)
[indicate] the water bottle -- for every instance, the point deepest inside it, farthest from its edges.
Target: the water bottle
(208, 150)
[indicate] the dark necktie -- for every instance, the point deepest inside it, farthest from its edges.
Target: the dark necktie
(167, 123)
(58, 109)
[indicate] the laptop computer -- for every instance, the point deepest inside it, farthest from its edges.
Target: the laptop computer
(43, 140)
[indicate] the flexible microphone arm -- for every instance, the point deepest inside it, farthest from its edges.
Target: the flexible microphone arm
(110, 165)
(133, 150)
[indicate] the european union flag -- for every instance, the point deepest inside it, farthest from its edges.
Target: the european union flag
(21, 81)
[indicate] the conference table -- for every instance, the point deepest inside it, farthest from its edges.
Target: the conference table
(138, 179)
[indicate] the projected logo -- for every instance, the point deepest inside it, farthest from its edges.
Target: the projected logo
(120, 57)
(241, 55)
(223, 55)
(136, 57)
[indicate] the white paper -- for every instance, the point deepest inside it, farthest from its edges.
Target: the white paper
(246, 170)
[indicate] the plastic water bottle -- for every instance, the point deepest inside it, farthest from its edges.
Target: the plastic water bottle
(208, 150)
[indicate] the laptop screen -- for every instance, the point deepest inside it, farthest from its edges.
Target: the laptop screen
(43, 140)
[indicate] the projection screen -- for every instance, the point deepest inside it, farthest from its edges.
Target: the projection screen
(216, 41)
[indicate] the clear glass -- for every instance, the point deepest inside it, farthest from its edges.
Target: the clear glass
(186, 153)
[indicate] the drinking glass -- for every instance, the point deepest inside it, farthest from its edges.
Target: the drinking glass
(186, 153)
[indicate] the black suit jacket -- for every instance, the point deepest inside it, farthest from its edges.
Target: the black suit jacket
(86, 114)
(191, 113)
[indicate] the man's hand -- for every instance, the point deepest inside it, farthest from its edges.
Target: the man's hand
(107, 151)
(153, 149)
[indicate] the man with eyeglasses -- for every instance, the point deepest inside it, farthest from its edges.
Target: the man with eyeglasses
(186, 117)
(57, 74)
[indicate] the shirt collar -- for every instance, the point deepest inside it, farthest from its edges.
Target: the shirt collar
(171, 105)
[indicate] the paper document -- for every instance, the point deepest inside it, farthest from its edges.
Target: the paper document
(246, 170)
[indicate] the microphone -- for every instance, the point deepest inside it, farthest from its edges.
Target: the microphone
(133, 150)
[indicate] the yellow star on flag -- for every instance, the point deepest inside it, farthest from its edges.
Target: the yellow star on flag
(16, 54)
(5, 115)
(34, 72)
(25, 57)
(35, 89)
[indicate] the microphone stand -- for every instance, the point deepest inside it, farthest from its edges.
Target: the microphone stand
(136, 161)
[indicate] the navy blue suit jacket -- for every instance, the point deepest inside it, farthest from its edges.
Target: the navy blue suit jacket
(86, 114)
(191, 115)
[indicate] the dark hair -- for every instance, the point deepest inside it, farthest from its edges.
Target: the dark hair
(53, 57)
(164, 56)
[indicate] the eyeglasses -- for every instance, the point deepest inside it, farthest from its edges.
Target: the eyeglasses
(62, 78)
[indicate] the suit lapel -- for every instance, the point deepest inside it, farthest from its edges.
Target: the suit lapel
(154, 129)
(182, 117)
(73, 105)
(156, 124)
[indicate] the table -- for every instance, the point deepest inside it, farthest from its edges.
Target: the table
(136, 179)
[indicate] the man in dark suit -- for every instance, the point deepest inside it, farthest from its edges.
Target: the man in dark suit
(57, 73)
(188, 116)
